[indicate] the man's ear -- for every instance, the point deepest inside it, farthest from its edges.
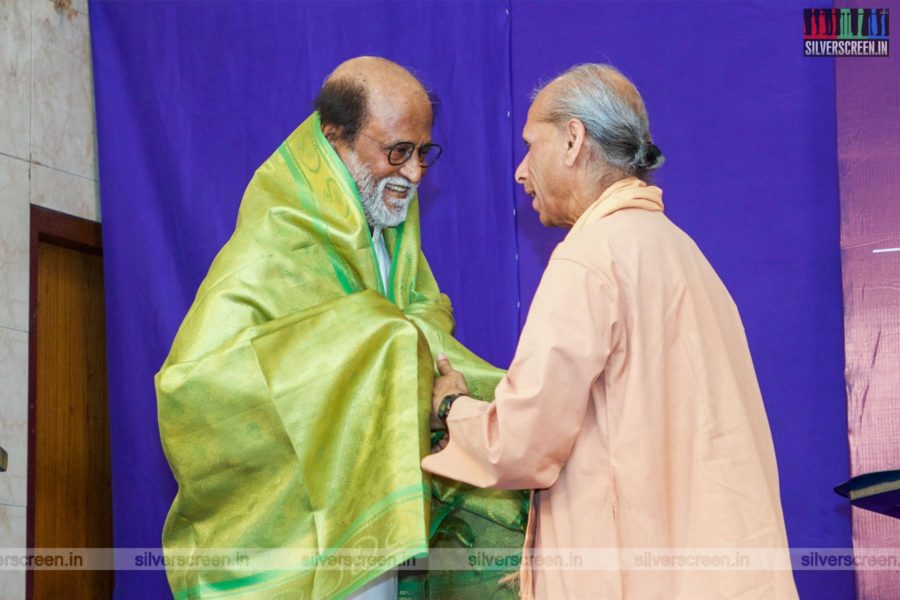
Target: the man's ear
(575, 137)
(332, 133)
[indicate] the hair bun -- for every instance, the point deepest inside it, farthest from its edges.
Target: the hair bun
(648, 156)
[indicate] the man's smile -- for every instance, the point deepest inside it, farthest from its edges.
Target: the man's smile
(400, 190)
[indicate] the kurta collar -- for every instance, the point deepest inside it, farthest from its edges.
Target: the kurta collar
(630, 192)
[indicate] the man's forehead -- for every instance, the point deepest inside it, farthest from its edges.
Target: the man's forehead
(542, 101)
(536, 114)
(400, 117)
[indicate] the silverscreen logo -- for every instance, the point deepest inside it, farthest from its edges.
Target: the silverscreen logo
(846, 32)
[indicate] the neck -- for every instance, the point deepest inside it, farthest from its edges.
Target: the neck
(589, 186)
(579, 202)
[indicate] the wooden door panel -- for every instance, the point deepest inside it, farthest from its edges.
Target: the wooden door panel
(71, 489)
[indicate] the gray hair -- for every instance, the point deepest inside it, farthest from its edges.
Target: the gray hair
(613, 114)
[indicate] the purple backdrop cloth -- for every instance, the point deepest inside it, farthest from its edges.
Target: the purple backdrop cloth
(192, 97)
(868, 97)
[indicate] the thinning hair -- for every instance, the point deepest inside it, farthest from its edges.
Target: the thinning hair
(614, 117)
(343, 103)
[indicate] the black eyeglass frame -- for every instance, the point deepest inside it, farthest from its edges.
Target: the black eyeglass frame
(406, 150)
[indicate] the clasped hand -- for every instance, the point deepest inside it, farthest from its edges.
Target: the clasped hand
(449, 382)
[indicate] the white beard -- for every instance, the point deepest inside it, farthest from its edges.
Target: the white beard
(379, 211)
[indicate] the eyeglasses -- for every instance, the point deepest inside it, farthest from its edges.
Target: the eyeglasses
(401, 152)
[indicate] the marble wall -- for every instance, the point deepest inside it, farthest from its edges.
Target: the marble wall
(47, 157)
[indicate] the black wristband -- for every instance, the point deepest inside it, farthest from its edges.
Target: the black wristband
(445, 406)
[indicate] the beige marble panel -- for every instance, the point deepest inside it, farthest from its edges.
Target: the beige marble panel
(12, 535)
(14, 243)
(79, 5)
(15, 77)
(62, 113)
(14, 415)
(64, 192)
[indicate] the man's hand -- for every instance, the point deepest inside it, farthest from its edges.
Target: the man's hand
(449, 382)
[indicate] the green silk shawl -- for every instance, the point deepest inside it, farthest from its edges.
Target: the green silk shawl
(295, 401)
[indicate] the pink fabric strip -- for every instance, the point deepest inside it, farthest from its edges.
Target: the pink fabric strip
(868, 126)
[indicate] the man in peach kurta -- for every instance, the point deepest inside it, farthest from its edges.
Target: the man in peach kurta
(631, 406)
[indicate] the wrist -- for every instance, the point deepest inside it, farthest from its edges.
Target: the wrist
(444, 407)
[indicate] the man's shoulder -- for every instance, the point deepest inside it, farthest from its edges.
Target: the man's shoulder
(625, 229)
(602, 235)
(622, 237)
(590, 252)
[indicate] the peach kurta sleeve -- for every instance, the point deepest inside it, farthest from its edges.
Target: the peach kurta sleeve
(524, 437)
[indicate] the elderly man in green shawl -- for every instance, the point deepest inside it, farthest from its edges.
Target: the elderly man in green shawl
(294, 404)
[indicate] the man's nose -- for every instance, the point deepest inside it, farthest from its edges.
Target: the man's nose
(412, 170)
(522, 171)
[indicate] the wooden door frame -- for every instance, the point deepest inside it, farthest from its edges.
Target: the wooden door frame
(57, 228)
